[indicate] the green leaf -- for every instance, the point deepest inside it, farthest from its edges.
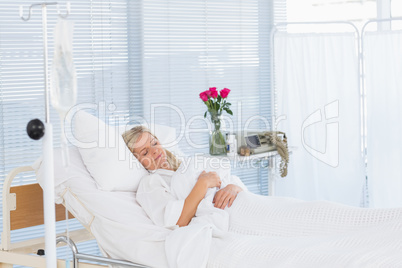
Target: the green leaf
(228, 103)
(229, 111)
(205, 115)
(219, 98)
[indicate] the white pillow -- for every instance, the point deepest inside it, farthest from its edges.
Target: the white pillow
(105, 154)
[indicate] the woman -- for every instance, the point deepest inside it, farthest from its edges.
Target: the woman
(148, 150)
(251, 213)
(320, 232)
(283, 232)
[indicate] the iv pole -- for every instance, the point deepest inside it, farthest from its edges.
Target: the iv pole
(36, 130)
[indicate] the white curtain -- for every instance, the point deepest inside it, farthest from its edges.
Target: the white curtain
(383, 69)
(316, 78)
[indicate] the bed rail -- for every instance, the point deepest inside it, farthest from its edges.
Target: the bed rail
(9, 204)
(77, 255)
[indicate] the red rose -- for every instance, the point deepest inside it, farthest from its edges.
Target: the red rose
(213, 92)
(204, 96)
(224, 92)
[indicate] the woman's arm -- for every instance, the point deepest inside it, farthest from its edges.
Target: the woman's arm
(205, 180)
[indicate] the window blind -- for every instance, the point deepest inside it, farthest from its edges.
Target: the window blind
(102, 56)
(191, 45)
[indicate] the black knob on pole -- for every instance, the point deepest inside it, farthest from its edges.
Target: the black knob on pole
(35, 129)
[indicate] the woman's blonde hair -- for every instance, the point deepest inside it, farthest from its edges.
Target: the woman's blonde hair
(130, 138)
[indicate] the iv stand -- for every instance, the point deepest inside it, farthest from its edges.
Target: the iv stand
(36, 130)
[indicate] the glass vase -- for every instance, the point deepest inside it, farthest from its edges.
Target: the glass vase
(217, 142)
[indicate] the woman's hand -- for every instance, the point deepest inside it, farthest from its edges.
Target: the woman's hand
(211, 179)
(226, 196)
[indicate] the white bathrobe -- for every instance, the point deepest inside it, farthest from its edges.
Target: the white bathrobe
(162, 193)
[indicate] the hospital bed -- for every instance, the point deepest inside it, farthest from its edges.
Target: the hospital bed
(286, 233)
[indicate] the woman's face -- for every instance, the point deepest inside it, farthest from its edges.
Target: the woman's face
(150, 152)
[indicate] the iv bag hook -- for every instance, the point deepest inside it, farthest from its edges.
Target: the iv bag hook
(44, 4)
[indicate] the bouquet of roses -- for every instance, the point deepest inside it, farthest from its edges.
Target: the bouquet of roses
(216, 101)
